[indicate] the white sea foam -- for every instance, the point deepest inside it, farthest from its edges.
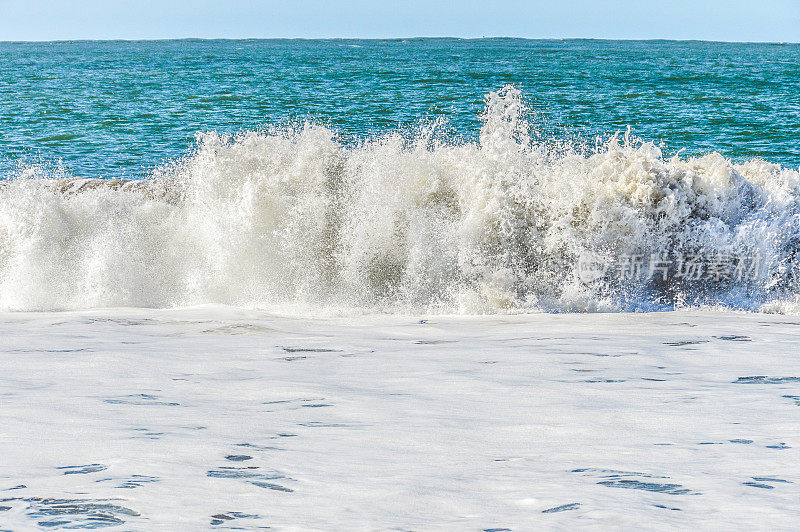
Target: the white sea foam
(213, 417)
(398, 223)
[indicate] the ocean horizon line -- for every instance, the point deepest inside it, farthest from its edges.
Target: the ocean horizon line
(400, 39)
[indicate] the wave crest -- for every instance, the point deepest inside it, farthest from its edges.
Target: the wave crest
(404, 224)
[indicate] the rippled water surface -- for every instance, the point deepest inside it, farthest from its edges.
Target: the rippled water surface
(116, 109)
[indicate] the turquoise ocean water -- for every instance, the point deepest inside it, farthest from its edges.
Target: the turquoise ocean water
(116, 109)
(434, 175)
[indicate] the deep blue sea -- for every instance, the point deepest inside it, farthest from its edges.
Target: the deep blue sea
(117, 109)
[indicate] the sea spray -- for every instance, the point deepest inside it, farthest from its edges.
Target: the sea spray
(409, 224)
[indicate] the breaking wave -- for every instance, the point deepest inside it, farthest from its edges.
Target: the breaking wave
(409, 223)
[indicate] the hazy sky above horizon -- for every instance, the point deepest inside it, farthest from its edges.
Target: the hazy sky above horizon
(729, 20)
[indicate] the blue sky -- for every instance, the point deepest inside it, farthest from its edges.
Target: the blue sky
(731, 20)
